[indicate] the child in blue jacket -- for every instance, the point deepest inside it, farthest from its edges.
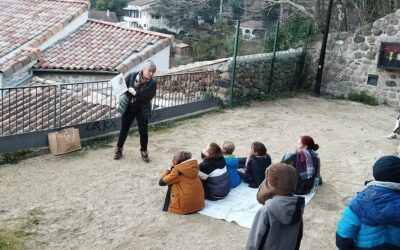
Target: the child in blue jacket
(372, 220)
(232, 163)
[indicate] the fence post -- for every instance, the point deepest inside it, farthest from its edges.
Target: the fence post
(234, 63)
(271, 73)
(302, 60)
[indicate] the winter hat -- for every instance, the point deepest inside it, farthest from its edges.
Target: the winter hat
(387, 168)
(280, 179)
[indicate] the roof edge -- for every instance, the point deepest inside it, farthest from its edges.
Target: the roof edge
(172, 37)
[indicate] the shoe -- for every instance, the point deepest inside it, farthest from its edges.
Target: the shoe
(117, 153)
(391, 136)
(145, 156)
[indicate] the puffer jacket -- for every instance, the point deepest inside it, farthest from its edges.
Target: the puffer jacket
(232, 163)
(185, 191)
(372, 220)
(145, 93)
(215, 177)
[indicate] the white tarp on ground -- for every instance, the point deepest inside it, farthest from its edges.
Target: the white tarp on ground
(239, 206)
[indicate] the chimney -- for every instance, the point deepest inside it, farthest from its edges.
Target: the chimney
(108, 12)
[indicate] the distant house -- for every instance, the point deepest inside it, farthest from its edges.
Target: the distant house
(252, 30)
(28, 27)
(99, 50)
(108, 16)
(143, 14)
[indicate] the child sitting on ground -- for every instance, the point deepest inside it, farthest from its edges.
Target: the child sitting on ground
(307, 164)
(372, 220)
(213, 173)
(232, 163)
(254, 165)
(278, 224)
(185, 192)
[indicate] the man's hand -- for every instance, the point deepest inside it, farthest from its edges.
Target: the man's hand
(132, 91)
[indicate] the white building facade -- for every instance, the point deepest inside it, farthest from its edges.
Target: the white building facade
(142, 14)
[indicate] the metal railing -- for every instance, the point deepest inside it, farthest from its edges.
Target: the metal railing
(40, 107)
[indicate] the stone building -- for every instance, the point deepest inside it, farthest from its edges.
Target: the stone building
(367, 60)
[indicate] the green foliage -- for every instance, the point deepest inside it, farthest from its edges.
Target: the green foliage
(292, 34)
(264, 97)
(112, 5)
(213, 42)
(15, 157)
(375, 9)
(237, 7)
(162, 126)
(14, 239)
(362, 97)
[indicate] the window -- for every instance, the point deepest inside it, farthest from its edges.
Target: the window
(155, 16)
(132, 13)
(372, 80)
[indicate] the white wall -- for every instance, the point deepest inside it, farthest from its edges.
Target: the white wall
(161, 60)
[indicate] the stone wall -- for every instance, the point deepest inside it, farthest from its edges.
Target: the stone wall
(351, 59)
(252, 73)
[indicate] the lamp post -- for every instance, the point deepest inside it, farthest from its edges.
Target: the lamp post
(317, 88)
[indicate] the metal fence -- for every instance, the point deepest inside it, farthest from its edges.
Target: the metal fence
(39, 107)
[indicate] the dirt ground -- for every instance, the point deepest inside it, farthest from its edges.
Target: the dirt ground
(87, 200)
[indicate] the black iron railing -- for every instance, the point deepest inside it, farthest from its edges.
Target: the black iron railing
(40, 107)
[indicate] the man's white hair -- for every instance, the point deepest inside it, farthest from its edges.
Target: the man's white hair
(149, 64)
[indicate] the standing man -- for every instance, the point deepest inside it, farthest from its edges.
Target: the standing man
(136, 103)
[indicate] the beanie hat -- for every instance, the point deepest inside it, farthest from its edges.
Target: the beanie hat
(280, 179)
(387, 168)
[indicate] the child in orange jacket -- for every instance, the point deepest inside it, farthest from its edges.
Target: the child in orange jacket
(185, 192)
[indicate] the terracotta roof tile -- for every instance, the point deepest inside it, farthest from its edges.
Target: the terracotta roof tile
(30, 23)
(102, 46)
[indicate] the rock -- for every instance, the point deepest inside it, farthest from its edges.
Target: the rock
(357, 55)
(359, 39)
(376, 32)
(342, 36)
(363, 46)
(393, 21)
(371, 39)
(391, 83)
(371, 55)
(353, 46)
(391, 31)
(378, 23)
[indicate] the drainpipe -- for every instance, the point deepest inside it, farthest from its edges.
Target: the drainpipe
(1, 80)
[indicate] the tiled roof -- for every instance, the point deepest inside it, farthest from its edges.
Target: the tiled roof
(142, 2)
(103, 46)
(29, 23)
(102, 15)
(79, 104)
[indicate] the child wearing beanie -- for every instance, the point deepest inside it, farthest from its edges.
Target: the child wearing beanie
(279, 223)
(372, 220)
